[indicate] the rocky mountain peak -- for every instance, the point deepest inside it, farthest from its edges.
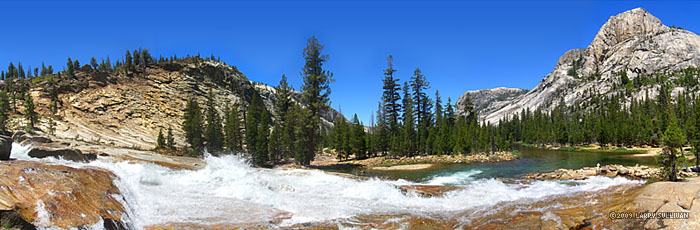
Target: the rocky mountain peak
(633, 44)
(622, 27)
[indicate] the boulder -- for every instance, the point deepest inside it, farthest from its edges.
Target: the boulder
(65, 153)
(5, 147)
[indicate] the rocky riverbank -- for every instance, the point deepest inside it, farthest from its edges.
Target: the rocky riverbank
(387, 163)
(632, 172)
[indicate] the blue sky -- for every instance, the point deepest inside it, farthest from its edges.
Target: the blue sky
(459, 45)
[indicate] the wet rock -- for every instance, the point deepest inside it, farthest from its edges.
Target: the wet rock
(57, 196)
(427, 190)
(65, 153)
(5, 147)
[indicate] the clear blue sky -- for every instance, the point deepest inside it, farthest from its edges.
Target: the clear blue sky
(460, 46)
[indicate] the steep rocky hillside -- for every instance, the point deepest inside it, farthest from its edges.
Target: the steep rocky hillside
(631, 54)
(486, 101)
(127, 110)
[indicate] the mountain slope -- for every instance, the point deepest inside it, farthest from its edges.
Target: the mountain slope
(127, 110)
(631, 53)
(488, 100)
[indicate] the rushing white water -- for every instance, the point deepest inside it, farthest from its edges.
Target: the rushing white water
(228, 190)
(457, 178)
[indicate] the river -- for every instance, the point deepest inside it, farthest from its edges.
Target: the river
(229, 192)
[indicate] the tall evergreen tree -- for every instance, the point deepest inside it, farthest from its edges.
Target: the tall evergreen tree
(408, 140)
(696, 138)
(316, 94)
(170, 139)
(358, 142)
(232, 130)
(212, 132)
(391, 97)
(420, 85)
(4, 110)
(281, 137)
(192, 125)
(30, 114)
(160, 141)
(673, 138)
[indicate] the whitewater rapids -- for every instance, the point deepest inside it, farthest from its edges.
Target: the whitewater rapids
(229, 190)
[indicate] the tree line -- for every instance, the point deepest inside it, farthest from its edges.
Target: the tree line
(410, 123)
(295, 131)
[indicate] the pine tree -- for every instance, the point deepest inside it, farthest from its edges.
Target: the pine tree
(420, 85)
(281, 136)
(212, 132)
(383, 141)
(696, 137)
(673, 138)
(391, 97)
(170, 140)
(160, 141)
(93, 63)
(256, 130)
(339, 135)
(316, 94)
(359, 144)
(232, 130)
(70, 68)
(4, 110)
(408, 140)
(192, 125)
(30, 114)
(10, 85)
(127, 61)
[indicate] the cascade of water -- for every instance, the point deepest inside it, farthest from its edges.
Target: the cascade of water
(229, 190)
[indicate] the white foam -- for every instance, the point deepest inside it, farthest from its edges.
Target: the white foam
(458, 178)
(228, 190)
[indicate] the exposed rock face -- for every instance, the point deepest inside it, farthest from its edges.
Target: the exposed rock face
(5, 147)
(488, 100)
(60, 197)
(634, 42)
(127, 111)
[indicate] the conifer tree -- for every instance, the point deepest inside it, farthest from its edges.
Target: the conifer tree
(696, 137)
(212, 133)
(30, 114)
(10, 85)
(160, 141)
(281, 136)
(316, 94)
(673, 138)
(232, 130)
(391, 97)
(4, 110)
(70, 68)
(256, 130)
(93, 63)
(408, 142)
(359, 144)
(170, 140)
(420, 85)
(192, 125)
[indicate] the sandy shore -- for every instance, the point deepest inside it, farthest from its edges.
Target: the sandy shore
(404, 167)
